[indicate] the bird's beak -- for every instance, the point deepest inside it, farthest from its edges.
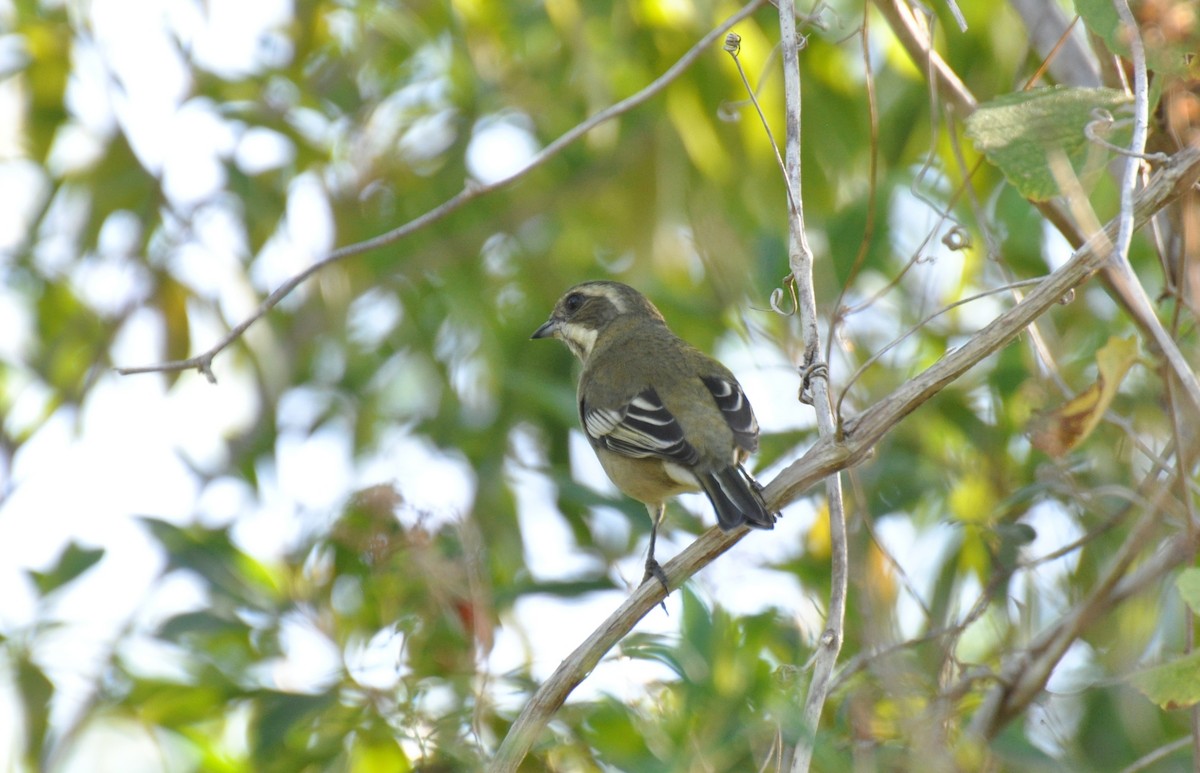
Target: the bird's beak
(547, 330)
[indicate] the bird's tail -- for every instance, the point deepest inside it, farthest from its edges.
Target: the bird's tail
(736, 498)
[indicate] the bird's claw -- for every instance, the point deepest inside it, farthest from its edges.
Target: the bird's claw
(655, 570)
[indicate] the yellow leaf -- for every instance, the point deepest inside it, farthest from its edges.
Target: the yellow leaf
(818, 536)
(374, 755)
(974, 555)
(1059, 431)
(973, 500)
(880, 580)
(893, 713)
(690, 116)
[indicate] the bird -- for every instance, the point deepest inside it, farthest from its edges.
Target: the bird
(663, 417)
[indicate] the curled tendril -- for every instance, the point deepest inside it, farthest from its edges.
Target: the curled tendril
(733, 44)
(816, 18)
(730, 112)
(789, 282)
(814, 369)
(957, 238)
(1103, 122)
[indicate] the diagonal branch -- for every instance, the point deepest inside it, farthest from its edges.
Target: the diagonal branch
(1122, 285)
(471, 191)
(862, 432)
(1025, 674)
(830, 455)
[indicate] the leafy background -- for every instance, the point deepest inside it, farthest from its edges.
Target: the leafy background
(363, 546)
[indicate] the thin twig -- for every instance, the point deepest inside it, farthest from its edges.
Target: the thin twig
(916, 41)
(918, 254)
(1147, 761)
(1104, 122)
(1174, 179)
(1024, 674)
(1118, 277)
(897, 568)
(471, 191)
(864, 244)
(816, 389)
(1122, 275)
(920, 325)
(733, 46)
(957, 13)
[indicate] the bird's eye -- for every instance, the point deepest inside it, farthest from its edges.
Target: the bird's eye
(573, 302)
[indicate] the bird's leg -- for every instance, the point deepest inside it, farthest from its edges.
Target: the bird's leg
(653, 568)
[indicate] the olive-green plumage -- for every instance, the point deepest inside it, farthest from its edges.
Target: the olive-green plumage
(662, 416)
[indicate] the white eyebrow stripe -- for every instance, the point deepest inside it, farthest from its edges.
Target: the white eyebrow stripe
(614, 298)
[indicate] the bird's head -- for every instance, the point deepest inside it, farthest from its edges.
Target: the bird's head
(586, 310)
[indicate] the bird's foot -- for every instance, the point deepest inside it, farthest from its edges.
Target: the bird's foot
(655, 570)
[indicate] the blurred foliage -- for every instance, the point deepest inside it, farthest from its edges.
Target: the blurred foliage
(387, 109)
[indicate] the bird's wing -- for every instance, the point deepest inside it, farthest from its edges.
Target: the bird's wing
(735, 408)
(640, 428)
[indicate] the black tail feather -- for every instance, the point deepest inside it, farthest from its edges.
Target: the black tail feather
(736, 498)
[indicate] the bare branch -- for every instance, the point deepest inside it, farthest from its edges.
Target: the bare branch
(1149, 760)
(1137, 143)
(1025, 674)
(1119, 279)
(815, 388)
(733, 46)
(868, 235)
(831, 454)
(862, 432)
(915, 39)
(818, 463)
(471, 191)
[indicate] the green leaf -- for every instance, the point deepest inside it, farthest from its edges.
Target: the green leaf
(74, 337)
(280, 715)
(1173, 685)
(202, 622)
(73, 562)
(48, 44)
(654, 648)
(35, 690)
(1020, 132)
(175, 705)
(1188, 583)
(172, 299)
(1101, 19)
(211, 554)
